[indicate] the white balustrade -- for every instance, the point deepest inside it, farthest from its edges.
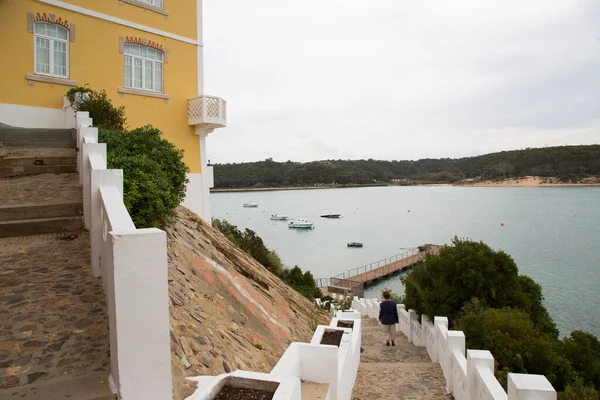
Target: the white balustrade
(132, 264)
(469, 374)
(207, 110)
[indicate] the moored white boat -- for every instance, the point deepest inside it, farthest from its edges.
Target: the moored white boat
(301, 223)
(251, 204)
(279, 217)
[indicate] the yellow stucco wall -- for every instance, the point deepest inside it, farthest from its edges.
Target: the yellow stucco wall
(94, 59)
(181, 20)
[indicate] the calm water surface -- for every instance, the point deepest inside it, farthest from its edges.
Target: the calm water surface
(553, 233)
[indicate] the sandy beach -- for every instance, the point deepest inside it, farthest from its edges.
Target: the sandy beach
(529, 181)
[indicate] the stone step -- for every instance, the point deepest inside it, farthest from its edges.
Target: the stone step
(40, 189)
(24, 170)
(39, 160)
(29, 137)
(401, 353)
(313, 391)
(87, 387)
(39, 226)
(37, 211)
(391, 381)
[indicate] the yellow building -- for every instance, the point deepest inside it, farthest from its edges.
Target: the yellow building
(146, 54)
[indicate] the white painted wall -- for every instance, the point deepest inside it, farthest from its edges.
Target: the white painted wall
(36, 117)
(133, 266)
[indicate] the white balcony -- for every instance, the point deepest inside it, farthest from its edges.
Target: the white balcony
(209, 111)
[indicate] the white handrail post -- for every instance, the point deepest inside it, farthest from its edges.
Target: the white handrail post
(100, 177)
(525, 386)
(477, 358)
(142, 367)
(412, 318)
(400, 308)
(456, 342)
(82, 119)
(435, 357)
(89, 133)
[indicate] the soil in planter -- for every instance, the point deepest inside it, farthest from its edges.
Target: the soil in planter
(234, 393)
(332, 337)
(346, 324)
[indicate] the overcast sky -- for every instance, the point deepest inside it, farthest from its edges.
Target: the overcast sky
(392, 79)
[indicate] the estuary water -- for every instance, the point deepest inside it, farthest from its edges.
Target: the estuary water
(553, 233)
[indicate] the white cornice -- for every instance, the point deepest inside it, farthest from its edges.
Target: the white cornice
(95, 14)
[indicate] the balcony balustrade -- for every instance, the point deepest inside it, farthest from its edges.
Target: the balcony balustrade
(209, 111)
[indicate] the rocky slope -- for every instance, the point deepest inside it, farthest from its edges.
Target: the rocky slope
(227, 311)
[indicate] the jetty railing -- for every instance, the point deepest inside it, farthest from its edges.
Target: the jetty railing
(353, 288)
(406, 258)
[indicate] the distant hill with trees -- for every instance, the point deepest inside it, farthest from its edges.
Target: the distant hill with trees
(569, 163)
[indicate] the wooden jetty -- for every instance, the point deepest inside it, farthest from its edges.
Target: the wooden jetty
(354, 280)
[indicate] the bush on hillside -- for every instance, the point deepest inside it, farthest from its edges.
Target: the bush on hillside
(154, 174)
(304, 283)
(99, 106)
(250, 243)
(583, 351)
(479, 289)
(578, 390)
(516, 343)
(443, 283)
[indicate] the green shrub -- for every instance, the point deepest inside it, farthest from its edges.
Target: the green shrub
(99, 106)
(250, 243)
(583, 351)
(154, 174)
(442, 284)
(516, 343)
(579, 391)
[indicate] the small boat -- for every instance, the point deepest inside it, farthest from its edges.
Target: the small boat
(355, 244)
(251, 204)
(301, 223)
(331, 215)
(279, 217)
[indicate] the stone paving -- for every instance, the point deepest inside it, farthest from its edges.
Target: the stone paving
(401, 372)
(40, 189)
(53, 317)
(37, 152)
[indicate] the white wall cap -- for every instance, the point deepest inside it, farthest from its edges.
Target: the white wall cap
(480, 355)
(456, 334)
(527, 386)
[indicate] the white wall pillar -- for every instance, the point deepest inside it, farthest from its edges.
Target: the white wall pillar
(456, 342)
(100, 177)
(412, 318)
(436, 336)
(525, 387)
(200, 46)
(141, 320)
(475, 359)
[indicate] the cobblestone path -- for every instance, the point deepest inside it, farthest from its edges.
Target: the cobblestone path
(401, 372)
(53, 318)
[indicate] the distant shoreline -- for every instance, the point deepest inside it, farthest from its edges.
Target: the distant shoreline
(527, 181)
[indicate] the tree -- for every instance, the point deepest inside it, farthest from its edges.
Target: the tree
(154, 174)
(516, 343)
(582, 349)
(442, 284)
(99, 106)
(579, 391)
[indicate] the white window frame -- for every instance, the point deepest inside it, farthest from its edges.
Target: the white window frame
(51, 40)
(143, 77)
(153, 3)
